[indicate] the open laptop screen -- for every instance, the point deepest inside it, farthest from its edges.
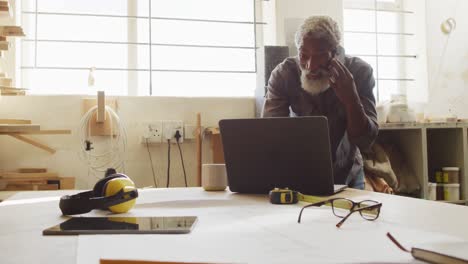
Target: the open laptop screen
(264, 153)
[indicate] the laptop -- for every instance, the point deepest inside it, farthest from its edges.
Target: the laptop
(281, 152)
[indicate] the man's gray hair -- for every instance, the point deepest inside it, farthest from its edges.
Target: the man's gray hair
(319, 27)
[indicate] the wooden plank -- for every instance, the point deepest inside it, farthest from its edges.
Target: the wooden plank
(32, 187)
(31, 170)
(6, 13)
(67, 183)
(9, 88)
(22, 93)
(15, 121)
(17, 175)
(198, 139)
(24, 181)
(101, 111)
(8, 128)
(39, 132)
(10, 28)
(217, 149)
(464, 173)
(11, 31)
(15, 181)
(6, 81)
(34, 143)
(4, 45)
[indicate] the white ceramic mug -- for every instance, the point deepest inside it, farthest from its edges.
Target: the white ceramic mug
(214, 177)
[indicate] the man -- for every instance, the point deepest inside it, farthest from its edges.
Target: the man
(321, 80)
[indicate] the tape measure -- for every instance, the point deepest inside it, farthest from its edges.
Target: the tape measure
(283, 196)
(287, 196)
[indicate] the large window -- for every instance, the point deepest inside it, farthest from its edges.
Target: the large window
(139, 47)
(383, 33)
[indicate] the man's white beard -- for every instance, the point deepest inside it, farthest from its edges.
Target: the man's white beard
(314, 87)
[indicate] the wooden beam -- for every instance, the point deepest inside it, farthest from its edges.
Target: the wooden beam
(34, 143)
(32, 170)
(217, 149)
(198, 139)
(31, 176)
(9, 88)
(31, 187)
(4, 81)
(21, 93)
(4, 45)
(101, 111)
(100, 129)
(24, 181)
(19, 128)
(15, 121)
(11, 31)
(39, 132)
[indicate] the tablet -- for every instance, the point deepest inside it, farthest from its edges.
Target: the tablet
(124, 225)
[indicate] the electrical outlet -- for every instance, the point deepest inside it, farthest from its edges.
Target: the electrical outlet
(169, 130)
(152, 132)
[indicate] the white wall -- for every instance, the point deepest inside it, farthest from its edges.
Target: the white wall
(447, 58)
(64, 112)
(417, 91)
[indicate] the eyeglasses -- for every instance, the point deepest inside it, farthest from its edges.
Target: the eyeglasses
(368, 209)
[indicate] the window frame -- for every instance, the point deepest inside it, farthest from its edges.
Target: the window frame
(133, 86)
(396, 6)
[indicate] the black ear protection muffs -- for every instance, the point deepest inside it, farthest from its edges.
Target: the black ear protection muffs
(115, 192)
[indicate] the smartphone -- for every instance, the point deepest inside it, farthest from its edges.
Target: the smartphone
(124, 225)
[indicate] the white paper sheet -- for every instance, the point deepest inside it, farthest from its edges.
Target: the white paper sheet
(258, 233)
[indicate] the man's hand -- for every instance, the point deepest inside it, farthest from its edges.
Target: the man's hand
(342, 82)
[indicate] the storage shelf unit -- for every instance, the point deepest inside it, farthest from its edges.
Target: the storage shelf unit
(429, 146)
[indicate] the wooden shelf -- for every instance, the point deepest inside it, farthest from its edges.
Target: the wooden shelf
(11, 31)
(15, 121)
(7, 90)
(415, 125)
(430, 146)
(39, 132)
(19, 128)
(16, 128)
(5, 8)
(32, 180)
